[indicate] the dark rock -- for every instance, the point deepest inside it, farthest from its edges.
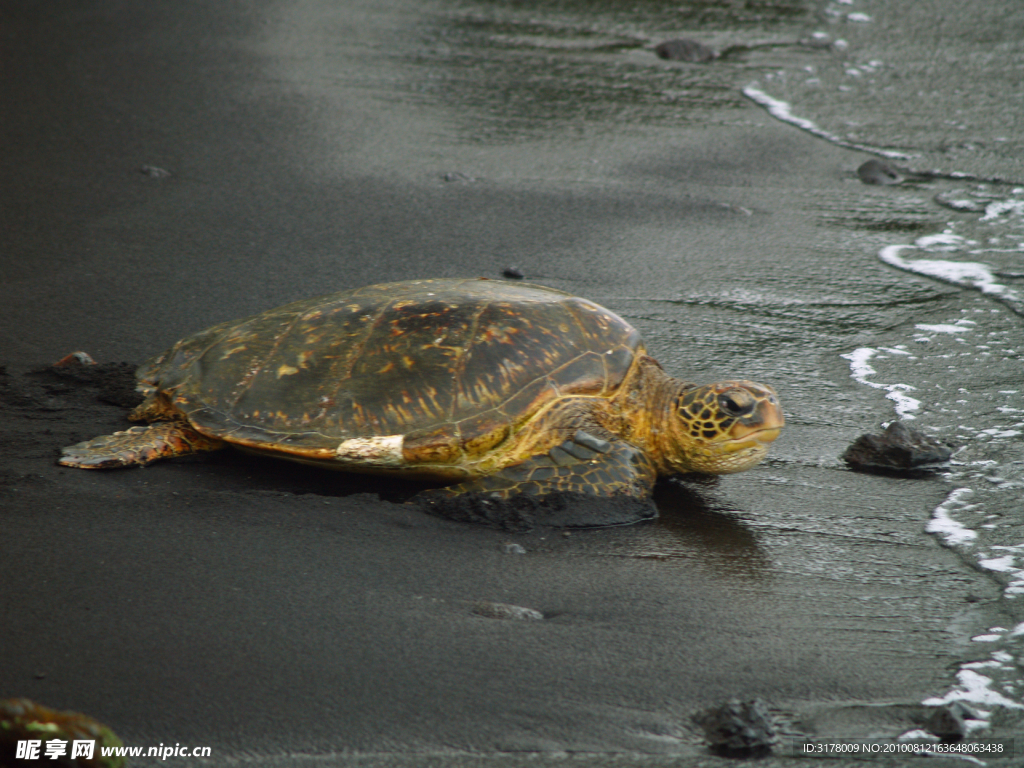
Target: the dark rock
(513, 272)
(899, 448)
(948, 721)
(739, 728)
(685, 50)
(877, 172)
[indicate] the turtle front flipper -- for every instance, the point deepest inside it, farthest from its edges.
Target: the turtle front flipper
(138, 446)
(585, 481)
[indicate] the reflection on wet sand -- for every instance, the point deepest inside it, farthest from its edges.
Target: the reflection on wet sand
(694, 523)
(695, 529)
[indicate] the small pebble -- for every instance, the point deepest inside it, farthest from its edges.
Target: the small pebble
(515, 273)
(154, 172)
(685, 50)
(75, 359)
(457, 176)
(877, 172)
(511, 548)
(504, 611)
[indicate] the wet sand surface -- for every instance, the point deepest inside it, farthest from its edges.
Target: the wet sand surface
(286, 616)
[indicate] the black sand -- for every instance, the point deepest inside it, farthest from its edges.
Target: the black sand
(273, 612)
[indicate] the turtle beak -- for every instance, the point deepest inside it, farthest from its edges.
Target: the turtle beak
(763, 425)
(757, 439)
(765, 436)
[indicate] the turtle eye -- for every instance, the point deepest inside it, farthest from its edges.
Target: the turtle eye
(736, 402)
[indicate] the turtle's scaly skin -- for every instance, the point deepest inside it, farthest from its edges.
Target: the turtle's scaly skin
(138, 446)
(24, 720)
(503, 388)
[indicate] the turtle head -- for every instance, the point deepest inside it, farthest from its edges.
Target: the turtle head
(724, 427)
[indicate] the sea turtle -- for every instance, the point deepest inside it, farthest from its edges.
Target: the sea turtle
(499, 390)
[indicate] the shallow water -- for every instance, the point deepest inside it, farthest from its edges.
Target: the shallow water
(950, 105)
(925, 320)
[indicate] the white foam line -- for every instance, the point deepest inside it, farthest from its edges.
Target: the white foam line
(965, 274)
(945, 238)
(974, 688)
(952, 531)
(781, 111)
(860, 370)
(1004, 564)
(1007, 564)
(999, 207)
(942, 328)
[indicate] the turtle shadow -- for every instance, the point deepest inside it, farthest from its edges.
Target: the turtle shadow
(693, 527)
(692, 522)
(700, 524)
(261, 473)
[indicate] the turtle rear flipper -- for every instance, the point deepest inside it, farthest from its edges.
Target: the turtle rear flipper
(138, 446)
(584, 482)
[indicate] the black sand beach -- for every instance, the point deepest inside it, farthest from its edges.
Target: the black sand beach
(172, 165)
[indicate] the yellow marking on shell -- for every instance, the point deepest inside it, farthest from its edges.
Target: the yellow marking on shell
(407, 361)
(435, 407)
(383, 451)
(304, 357)
(396, 413)
(386, 368)
(228, 353)
(286, 370)
(500, 333)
